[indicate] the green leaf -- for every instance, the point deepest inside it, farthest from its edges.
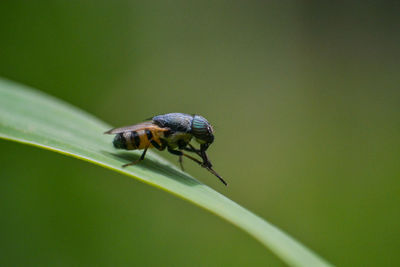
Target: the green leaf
(31, 117)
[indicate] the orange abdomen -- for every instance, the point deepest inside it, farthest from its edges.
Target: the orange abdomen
(138, 139)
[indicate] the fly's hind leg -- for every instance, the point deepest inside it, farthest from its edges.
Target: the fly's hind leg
(155, 144)
(158, 146)
(138, 160)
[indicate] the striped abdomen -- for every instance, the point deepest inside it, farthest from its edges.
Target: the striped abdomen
(137, 139)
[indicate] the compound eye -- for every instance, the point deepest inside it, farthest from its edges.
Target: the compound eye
(202, 130)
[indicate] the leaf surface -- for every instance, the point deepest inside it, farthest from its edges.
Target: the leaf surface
(32, 117)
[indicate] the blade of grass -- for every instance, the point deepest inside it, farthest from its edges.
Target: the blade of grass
(31, 117)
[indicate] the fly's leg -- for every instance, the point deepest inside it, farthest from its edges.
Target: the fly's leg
(207, 166)
(155, 144)
(181, 145)
(206, 163)
(180, 153)
(138, 160)
(181, 162)
(159, 147)
(192, 149)
(189, 149)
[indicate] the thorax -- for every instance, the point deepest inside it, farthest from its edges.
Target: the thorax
(175, 138)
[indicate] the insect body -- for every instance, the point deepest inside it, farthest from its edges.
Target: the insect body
(173, 131)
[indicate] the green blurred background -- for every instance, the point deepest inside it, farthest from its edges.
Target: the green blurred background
(304, 97)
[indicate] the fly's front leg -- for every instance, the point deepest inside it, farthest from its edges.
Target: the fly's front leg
(180, 153)
(206, 165)
(191, 148)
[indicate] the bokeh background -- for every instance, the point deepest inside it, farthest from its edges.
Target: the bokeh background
(304, 97)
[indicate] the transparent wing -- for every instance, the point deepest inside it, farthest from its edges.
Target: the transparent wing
(136, 127)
